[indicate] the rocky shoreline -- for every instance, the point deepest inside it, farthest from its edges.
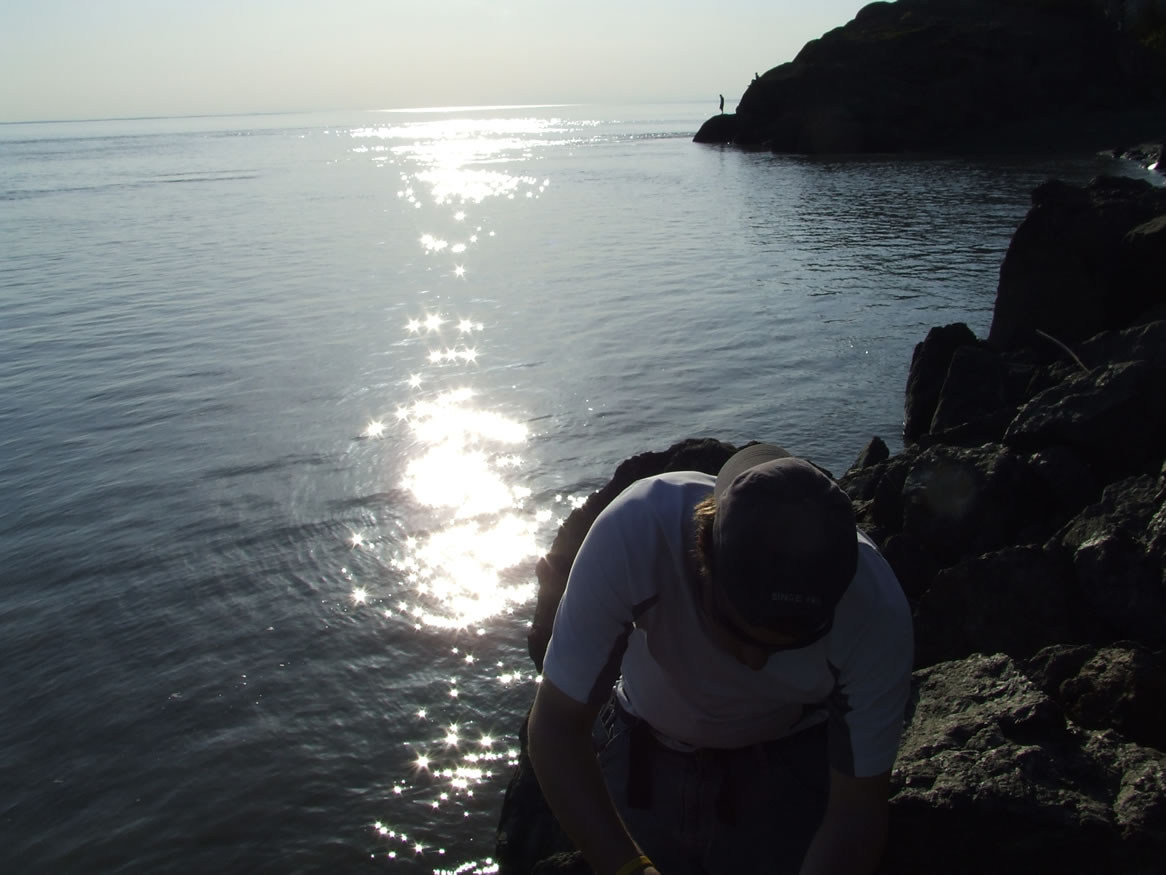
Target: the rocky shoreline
(965, 75)
(1026, 520)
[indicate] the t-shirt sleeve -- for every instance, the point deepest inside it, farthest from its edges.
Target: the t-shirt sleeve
(597, 611)
(873, 681)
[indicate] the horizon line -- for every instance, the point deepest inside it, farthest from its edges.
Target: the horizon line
(147, 118)
(420, 109)
(476, 107)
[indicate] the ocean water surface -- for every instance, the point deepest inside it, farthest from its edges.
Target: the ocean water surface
(289, 406)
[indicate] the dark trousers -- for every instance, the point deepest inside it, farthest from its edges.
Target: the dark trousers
(710, 811)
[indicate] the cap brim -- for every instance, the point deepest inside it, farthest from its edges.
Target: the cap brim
(743, 460)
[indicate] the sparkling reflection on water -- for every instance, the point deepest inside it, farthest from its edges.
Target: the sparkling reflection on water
(464, 466)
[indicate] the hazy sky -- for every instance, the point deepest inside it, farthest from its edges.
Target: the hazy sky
(63, 59)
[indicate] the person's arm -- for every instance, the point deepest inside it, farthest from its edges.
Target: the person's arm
(853, 832)
(560, 748)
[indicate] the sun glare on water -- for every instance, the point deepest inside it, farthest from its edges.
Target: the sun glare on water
(469, 531)
(461, 473)
(463, 458)
(480, 530)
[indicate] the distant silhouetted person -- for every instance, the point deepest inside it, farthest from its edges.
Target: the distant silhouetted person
(722, 103)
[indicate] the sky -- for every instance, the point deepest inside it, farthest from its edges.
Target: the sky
(80, 59)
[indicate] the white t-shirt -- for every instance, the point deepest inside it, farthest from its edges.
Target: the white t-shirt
(631, 611)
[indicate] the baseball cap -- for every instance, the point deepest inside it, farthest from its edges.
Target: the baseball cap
(784, 542)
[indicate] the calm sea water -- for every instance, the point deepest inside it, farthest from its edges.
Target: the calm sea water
(290, 404)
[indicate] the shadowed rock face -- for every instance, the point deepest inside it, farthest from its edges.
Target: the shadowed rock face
(1026, 520)
(920, 74)
(991, 777)
(1083, 260)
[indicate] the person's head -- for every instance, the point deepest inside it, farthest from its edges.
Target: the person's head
(777, 545)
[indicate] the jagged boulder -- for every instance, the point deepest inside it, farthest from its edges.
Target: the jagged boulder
(1013, 601)
(1084, 260)
(1088, 264)
(1149, 155)
(1145, 342)
(1119, 686)
(977, 390)
(991, 777)
(1116, 548)
(1114, 415)
(966, 502)
(873, 453)
(929, 366)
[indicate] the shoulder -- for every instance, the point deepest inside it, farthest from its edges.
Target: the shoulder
(640, 534)
(663, 501)
(871, 652)
(875, 587)
(873, 615)
(664, 490)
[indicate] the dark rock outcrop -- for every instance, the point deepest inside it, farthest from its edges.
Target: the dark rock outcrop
(991, 777)
(1119, 686)
(966, 74)
(1149, 155)
(929, 366)
(1026, 521)
(1083, 260)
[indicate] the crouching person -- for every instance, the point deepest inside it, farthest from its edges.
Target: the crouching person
(726, 679)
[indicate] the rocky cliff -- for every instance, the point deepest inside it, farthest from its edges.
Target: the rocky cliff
(1026, 521)
(958, 74)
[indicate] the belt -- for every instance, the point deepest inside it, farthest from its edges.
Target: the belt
(645, 744)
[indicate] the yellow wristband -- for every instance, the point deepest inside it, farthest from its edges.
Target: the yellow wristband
(637, 864)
